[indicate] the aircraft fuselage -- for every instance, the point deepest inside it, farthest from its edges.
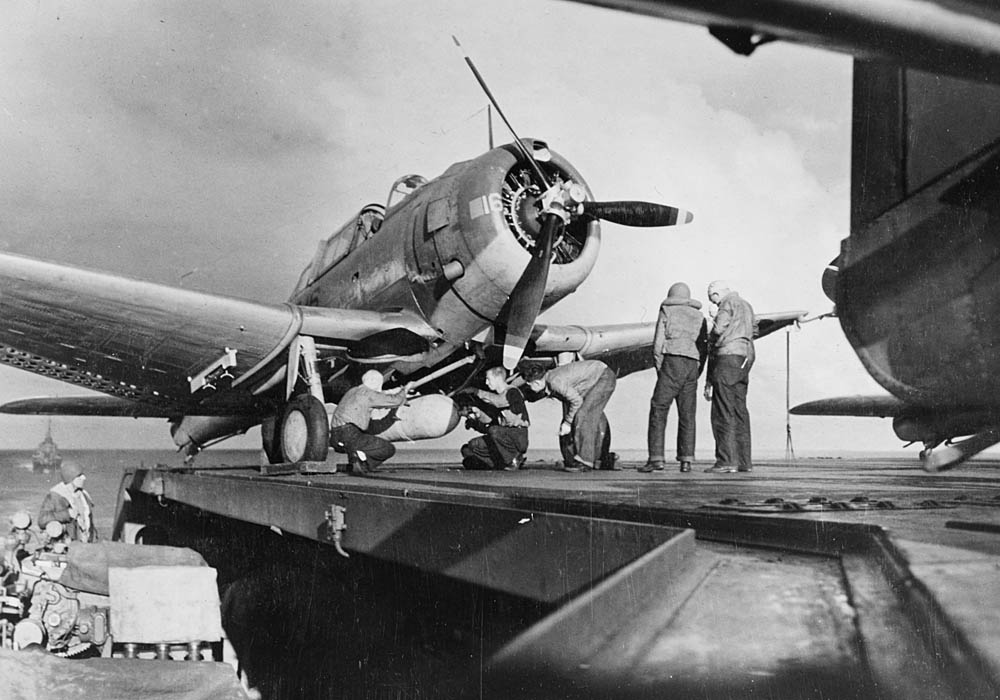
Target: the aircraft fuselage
(453, 250)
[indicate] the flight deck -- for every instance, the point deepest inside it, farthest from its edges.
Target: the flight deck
(812, 578)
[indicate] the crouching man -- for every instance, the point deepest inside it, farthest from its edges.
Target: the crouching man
(503, 418)
(352, 417)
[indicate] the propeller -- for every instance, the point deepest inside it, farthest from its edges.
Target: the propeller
(637, 213)
(525, 300)
(558, 204)
(829, 281)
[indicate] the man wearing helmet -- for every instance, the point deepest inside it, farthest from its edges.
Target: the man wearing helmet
(679, 351)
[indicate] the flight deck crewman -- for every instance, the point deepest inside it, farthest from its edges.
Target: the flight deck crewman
(69, 503)
(351, 418)
(731, 355)
(502, 417)
(679, 352)
(584, 388)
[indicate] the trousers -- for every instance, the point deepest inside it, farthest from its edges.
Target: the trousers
(497, 449)
(351, 439)
(587, 433)
(730, 418)
(676, 380)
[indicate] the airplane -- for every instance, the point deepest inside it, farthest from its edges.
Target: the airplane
(428, 288)
(444, 280)
(915, 285)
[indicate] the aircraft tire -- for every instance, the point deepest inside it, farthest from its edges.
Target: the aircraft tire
(304, 432)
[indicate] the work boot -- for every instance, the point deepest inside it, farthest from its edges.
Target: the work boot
(721, 469)
(685, 467)
(357, 463)
(516, 463)
(577, 465)
(653, 465)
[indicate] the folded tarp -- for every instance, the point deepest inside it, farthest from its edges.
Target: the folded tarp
(88, 563)
(31, 675)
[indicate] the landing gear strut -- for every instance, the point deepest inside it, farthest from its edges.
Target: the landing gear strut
(301, 432)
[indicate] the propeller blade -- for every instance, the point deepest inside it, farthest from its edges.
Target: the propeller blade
(830, 279)
(526, 298)
(637, 213)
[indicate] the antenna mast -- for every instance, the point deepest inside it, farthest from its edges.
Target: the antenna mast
(789, 448)
(489, 123)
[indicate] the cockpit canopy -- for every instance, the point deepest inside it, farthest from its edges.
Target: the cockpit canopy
(335, 248)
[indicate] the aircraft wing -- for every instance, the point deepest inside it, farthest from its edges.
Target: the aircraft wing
(861, 406)
(628, 347)
(171, 350)
(952, 37)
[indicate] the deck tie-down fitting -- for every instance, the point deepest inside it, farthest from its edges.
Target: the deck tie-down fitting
(336, 522)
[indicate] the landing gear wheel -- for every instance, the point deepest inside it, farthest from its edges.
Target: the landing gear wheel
(305, 434)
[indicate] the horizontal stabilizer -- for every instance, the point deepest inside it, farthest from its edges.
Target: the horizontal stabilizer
(860, 406)
(82, 406)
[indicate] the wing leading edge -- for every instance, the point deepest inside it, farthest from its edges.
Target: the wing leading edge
(859, 406)
(626, 348)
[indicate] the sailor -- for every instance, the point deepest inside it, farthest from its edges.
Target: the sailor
(731, 355)
(351, 419)
(69, 503)
(502, 417)
(679, 352)
(584, 388)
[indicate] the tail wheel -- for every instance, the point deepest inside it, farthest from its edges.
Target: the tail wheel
(304, 433)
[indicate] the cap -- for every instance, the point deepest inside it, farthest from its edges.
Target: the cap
(69, 471)
(719, 286)
(372, 379)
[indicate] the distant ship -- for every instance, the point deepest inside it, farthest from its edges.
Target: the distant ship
(46, 458)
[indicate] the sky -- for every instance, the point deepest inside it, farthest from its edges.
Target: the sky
(212, 145)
